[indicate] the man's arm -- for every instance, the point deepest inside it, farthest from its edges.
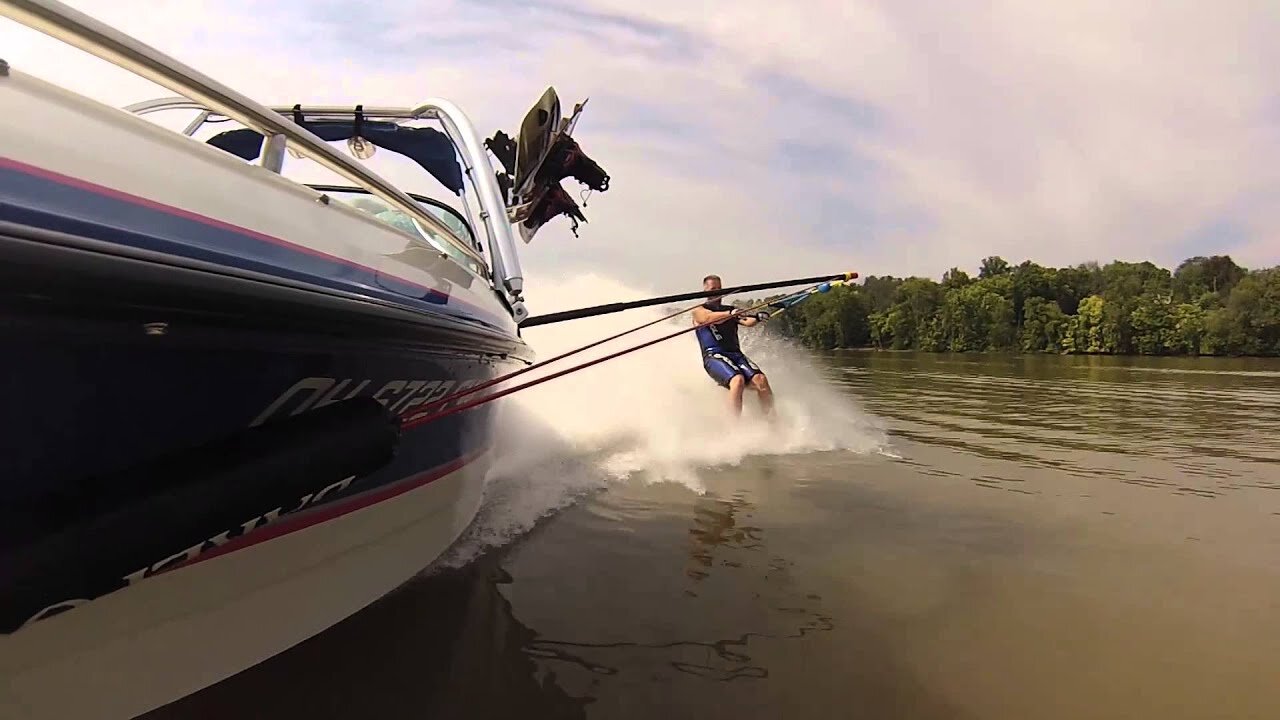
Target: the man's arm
(703, 316)
(752, 319)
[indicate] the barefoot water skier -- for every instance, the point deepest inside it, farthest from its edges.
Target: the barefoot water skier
(722, 357)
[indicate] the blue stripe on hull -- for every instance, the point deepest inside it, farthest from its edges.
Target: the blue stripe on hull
(81, 406)
(76, 409)
(89, 399)
(43, 199)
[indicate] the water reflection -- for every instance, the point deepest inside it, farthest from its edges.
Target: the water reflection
(715, 523)
(719, 534)
(446, 646)
(735, 662)
(451, 646)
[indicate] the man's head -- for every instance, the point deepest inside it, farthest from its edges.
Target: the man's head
(712, 282)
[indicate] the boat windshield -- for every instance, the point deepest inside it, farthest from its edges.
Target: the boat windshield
(371, 205)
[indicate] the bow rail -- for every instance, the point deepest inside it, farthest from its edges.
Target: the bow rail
(200, 92)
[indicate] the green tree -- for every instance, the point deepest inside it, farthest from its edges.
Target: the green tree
(1085, 330)
(1029, 280)
(1153, 324)
(1188, 328)
(975, 318)
(881, 334)
(1249, 323)
(993, 266)
(881, 292)
(955, 278)
(1043, 326)
(1200, 275)
(911, 320)
(1075, 284)
(835, 319)
(1209, 305)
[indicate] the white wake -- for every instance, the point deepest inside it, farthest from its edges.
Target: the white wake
(652, 414)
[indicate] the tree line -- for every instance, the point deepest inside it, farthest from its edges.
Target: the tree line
(1206, 306)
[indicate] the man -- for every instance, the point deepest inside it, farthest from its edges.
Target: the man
(722, 357)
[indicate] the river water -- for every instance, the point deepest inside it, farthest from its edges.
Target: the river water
(1008, 537)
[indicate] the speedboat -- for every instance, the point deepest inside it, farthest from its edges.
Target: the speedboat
(206, 364)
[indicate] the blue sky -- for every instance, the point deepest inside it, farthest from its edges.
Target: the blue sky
(759, 139)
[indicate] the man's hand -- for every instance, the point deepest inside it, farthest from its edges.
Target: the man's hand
(749, 319)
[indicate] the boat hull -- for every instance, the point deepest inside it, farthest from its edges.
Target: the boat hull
(153, 643)
(96, 391)
(203, 366)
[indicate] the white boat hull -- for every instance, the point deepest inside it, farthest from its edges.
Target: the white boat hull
(165, 298)
(149, 644)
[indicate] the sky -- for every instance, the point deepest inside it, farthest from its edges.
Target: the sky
(762, 140)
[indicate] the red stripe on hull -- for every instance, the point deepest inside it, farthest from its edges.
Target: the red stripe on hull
(294, 523)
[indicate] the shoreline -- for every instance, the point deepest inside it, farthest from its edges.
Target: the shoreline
(1015, 353)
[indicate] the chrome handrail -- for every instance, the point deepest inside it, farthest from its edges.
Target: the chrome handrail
(73, 27)
(492, 208)
(502, 246)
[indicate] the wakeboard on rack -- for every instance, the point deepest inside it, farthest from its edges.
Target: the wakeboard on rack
(534, 165)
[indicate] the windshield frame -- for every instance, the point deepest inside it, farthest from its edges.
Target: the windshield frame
(430, 205)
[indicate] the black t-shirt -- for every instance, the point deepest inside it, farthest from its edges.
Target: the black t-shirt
(722, 337)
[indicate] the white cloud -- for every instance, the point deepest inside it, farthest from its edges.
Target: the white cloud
(1060, 132)
(1056, 132)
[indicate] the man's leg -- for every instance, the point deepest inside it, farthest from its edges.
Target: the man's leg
(736, 386)
(728, 376)
(761, 384)
(753, 375)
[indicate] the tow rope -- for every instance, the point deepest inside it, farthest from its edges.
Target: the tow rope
(597, 310)
(436, 410)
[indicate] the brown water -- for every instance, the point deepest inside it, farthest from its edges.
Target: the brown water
(1059, 538)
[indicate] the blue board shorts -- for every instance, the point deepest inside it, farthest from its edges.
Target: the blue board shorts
(722, 366)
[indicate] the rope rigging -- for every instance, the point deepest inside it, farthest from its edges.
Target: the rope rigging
(596, 310)
(437, 410)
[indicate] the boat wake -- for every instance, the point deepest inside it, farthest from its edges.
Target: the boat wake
(651, 416)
